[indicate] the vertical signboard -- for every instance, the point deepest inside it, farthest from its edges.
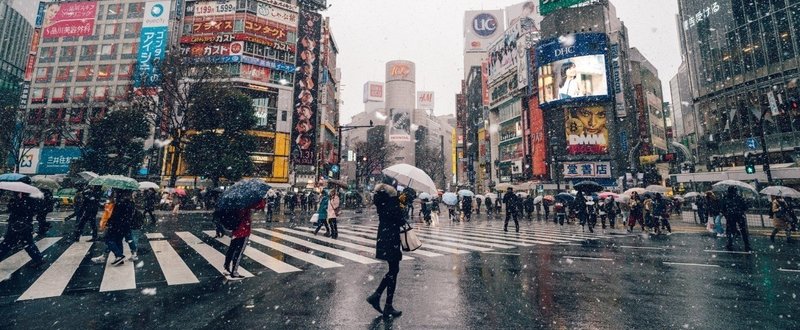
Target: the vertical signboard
(539, 157)
(152, 42)
(616, 81)
(425, 100)
(69, 19)
(400, 129)
(304, 119)
(485, 83)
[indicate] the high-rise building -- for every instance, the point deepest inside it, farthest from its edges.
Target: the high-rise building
(400, 105)
(743, 58)
(15, 46)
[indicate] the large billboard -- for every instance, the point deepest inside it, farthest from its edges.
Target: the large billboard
(526, 13)
(57, 160)
(304, 120)
(373, 91)
(69, 19)
(400, 125)
(587, 130)
(481, 27)
(152, 43)
(572, 69)
(425, 100)
(549, 6)
(275, 14)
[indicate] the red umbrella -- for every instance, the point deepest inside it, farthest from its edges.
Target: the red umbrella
(180, 191)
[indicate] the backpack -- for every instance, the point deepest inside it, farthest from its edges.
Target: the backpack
(227, 218)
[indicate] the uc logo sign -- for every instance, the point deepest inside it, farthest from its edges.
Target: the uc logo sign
(157, 10)
(484, 24)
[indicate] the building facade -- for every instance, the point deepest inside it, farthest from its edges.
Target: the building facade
(400, 104)
(14, 50)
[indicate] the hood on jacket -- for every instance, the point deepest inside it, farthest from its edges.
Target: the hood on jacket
(386, 188)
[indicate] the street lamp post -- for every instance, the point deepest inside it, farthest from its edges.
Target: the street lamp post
(764, 151)
(340, 129)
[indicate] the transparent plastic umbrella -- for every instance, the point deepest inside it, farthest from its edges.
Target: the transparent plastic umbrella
(450, 198)
(780, 191)
(23, 188)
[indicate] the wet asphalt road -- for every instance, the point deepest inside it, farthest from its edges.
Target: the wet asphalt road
(621, 281)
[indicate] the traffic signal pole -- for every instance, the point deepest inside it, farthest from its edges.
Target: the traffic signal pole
(764, 151)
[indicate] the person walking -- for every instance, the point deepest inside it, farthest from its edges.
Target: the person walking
(478, 203)
(333, 212)
(780, 218)
(42, 208)
(611, 208)
(239, 238)
(388, 246)
(21, 209)
(661, 214)
(150, 199)
(546, 207)
(637, 212)
(489, 207)
(648, 211)
(579, 207)
(712, 208)
(118, 225)
(702, 210)
(510, 199)
(89, 207)
(77, 203)
(322, 214)
(733, 209)
(466, 207)
(592, 210)
(529, 206)
(426, 209)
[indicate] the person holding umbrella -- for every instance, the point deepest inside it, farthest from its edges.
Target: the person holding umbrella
(734, 208)
(89, 207)
(510, 199)
(322, 214)
(780, 218)
(579, 207)
(150, 199)
(388, 245)
(238, 203)
(333, 212)
(20, 227)
(637, 212)
(118, 225)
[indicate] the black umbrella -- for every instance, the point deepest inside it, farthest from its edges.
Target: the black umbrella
(588, 187)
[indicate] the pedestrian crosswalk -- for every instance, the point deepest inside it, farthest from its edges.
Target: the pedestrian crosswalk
(185, 257)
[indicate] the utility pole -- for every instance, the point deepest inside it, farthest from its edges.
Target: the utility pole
(764, 151)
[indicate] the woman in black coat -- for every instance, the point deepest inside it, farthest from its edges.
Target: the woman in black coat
(388, 245)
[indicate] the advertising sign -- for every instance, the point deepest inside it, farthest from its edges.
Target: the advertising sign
(253, 72)
(219, 7)
(587, 133)
(280, 66)
(373, 91)
(265, 29)
(549, 6)
(69, 19)
(275, 14)
(503, 53)
(481, 28)
(539, 157)
(215, 26)
(400, 70)
(221, 49)
(152, 43)
(30, 162)
(526, 14)
(425, 100)
(616, 82)
(572, 69)
(306, 89)
(592, 170)
(40, 14)
(57, 160)
(485, 83)
(400, 126)
(282, 4)
(503, 90)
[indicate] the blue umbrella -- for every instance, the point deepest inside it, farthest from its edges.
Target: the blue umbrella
(15, 177)
(243, 194)
(450, 198)
(465, 193)
(565, 197)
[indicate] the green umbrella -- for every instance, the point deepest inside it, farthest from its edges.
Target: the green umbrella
(45, 183)
(115, 181)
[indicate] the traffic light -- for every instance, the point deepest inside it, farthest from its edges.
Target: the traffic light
(749, 164)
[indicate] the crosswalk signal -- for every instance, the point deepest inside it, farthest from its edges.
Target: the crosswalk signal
(749, 164)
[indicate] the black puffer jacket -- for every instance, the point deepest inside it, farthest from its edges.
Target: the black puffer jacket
(390, 218)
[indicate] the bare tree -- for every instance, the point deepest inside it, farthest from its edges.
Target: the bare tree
(432, 163)
(374, 156)
(182, 79)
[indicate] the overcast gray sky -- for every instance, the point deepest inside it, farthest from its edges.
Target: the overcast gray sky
(429, 32)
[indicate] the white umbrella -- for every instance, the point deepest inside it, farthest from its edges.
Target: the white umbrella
(639, 191)
(88, 175)
(503, 186)
(450, 198)
(424, 195)
(780, 191)
(522, 194)
(23, 188)
(144, 185)
(724, 184)
(537, 200)
(691, 194)
(411, 177)
(656, 189)
(480, 196)
(491, 195)
(465, 193)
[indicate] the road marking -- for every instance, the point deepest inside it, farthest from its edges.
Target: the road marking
(335, 242)
(732, 252)
(573, 244)
(19, 259)
(535, 239)
(474, 236)
(640, 247)
(425, 246)
(549, 233)
(121, 277)
(55, 279)
(444, 241)
(172, 265)
(503, 253)
(307, 257)
(588, 258)
(261, 257)
(372, 242)
(154, 235)
(214, 257)
(321, 248)
(789, 270)
(689, 264)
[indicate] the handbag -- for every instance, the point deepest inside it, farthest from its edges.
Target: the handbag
(408, 238)
(108, 209)
(315, 218)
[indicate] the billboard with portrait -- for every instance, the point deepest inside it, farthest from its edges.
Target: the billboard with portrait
(400, 125)
(481, 27)
(572, 69)
(306, 89)
(587, 130)
(69, 19)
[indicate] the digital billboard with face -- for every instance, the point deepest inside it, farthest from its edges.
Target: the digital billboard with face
(572, 69)
(587, 133)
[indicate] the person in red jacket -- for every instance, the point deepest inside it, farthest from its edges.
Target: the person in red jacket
(239, 239)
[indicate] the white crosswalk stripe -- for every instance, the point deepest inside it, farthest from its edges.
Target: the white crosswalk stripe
(355, 244)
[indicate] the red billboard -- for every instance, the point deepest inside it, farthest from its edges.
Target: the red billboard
(538, 140)
(214, 49)
(69, 19)
(212, 26)
(265, 29)
(254, 72)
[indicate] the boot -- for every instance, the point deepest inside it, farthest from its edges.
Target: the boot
(374, 300)
(389, 311)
